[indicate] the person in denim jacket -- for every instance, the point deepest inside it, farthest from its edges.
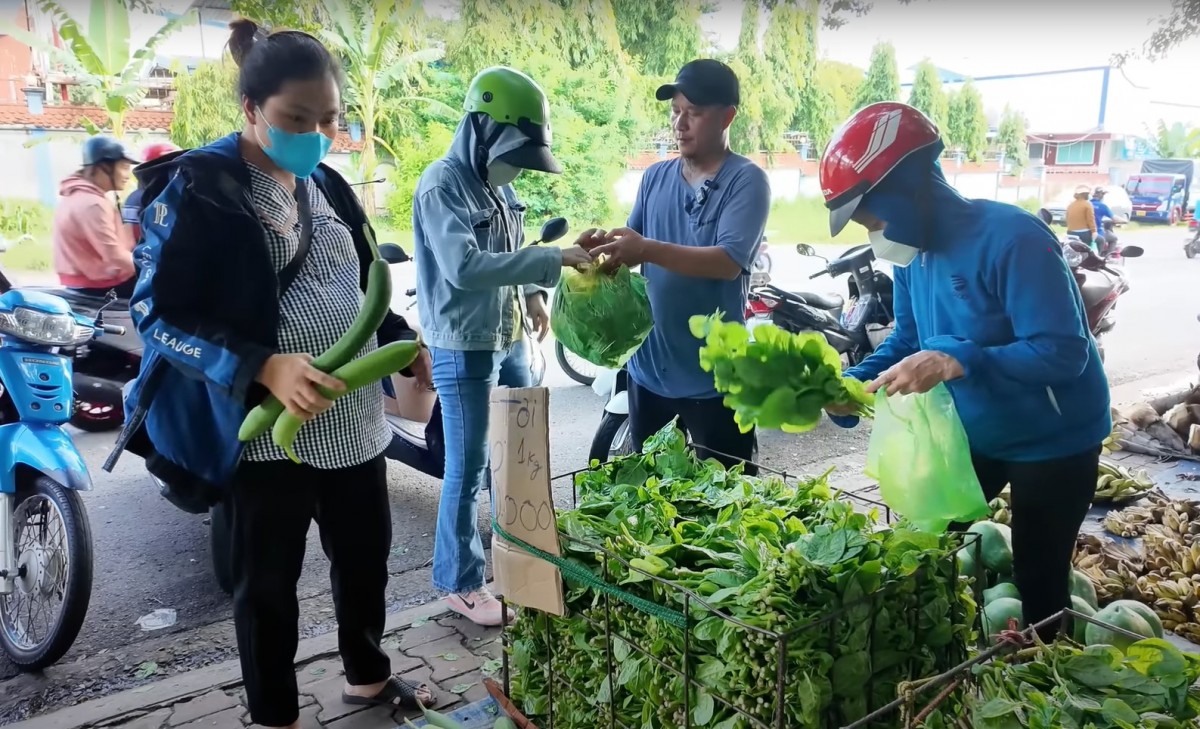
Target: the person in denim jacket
(476, 288)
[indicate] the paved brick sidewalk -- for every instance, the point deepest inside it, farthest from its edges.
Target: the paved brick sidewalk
(427, 645)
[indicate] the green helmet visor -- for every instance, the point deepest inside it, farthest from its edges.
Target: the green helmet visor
(532, 156)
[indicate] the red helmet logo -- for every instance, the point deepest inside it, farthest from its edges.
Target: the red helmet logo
(866, 148)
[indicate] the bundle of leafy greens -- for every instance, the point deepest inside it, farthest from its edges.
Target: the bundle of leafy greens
(600, 317)
(855, 606)
(1149, 686)
(776, 379)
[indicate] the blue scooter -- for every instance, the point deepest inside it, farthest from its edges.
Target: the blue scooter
(45, 537)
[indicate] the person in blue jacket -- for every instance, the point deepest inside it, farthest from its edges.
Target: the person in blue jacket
(1101, 241)
(253, 259)
(985, 303)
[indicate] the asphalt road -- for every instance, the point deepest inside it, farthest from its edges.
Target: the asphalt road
(148, 555)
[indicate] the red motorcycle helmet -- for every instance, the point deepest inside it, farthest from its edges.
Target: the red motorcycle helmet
(158, 149)
(865, 149)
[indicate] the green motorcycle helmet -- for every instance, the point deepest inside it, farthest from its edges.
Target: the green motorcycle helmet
(507, 96)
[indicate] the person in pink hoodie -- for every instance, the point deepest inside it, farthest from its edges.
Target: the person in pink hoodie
(93, 249)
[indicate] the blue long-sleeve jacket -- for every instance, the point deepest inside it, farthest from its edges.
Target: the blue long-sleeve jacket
(991, 289)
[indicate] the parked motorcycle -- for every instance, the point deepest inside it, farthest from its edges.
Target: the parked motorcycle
(1100, 283)
(100, 367)
(575, 367)
(853, 331)
(45, 536)
(762, 262)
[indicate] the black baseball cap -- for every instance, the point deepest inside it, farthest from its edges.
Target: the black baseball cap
(705, 82)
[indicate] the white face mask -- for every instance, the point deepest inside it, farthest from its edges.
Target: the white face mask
(501, 173)
(889, 250)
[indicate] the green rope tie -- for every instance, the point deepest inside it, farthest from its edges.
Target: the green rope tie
(582, 575)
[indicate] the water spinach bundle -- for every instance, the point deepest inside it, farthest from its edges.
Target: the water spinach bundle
(776, 557)
(776, 379)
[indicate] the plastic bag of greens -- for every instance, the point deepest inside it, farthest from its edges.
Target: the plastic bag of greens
(920, 456)
(600, 317)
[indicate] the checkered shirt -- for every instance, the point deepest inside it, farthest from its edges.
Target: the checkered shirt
(317, 309)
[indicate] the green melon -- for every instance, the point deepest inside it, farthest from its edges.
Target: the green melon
(966, 562)
(1082, 587)
(1146, 612)
(997, 613)
(1002, 589)
(995, 546)
(1118, 616)
(1079, 627)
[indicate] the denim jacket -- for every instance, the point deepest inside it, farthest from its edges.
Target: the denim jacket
(469, 255)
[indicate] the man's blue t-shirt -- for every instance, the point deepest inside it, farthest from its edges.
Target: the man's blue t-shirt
(730, 212)
(1102, 211)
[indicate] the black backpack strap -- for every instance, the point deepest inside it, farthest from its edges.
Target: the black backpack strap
(304, 207)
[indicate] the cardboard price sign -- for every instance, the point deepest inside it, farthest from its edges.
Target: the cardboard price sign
(519, 434)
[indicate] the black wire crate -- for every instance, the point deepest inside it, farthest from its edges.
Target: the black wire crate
(822, 635)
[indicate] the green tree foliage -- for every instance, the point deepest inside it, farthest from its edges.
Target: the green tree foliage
(206, 104)
(927, 94)
(660, 35)
(280, 14)
(1176, 140)
(1170, 30)
(97, 52)
(1012, 140)
(967, 124)
(841, 81)
(882, 82)
(768, 98)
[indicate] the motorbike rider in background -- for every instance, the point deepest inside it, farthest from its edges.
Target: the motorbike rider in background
(1103, 240)
(93, 250)
(985, 303)
(132, 210)
(1081, 217)
(476, 285)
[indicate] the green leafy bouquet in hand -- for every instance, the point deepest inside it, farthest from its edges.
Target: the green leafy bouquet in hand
(778, 380)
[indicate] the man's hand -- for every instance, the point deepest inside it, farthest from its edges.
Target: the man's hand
(591, 238)
(575, 256)
(292, 380)
(840, 411)
(625, 247)
(535, 305)
(917, 373)
(422, 369)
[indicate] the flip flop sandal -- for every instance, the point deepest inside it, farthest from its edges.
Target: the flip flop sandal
(395, 693)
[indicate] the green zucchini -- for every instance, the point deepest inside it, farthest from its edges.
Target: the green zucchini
(375, 306)
(383, 362)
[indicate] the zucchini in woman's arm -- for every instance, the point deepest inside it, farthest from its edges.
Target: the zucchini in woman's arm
(383, 362)
(370, 316)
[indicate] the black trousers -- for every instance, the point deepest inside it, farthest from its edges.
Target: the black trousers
(1050, 500)
(707, 421)
(273, 503)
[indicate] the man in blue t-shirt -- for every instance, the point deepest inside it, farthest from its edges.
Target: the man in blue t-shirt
(1102, 211)
(695, 229)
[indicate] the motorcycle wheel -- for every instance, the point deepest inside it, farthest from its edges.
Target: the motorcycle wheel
(612, 438)
(220, 541)
(577, 368)
(95, 418)
(60, 571)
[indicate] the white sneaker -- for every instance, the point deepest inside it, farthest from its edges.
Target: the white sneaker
(480, 607)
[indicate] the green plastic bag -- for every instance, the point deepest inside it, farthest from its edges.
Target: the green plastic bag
(920, 457)
(600, 317)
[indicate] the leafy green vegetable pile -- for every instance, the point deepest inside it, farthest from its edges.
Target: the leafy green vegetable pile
(1061, 686)
(778, 556)
(600, 317)
(780, 380)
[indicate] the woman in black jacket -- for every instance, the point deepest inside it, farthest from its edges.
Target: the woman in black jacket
(253, 259)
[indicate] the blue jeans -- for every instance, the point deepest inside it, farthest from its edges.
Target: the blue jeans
(464, 382)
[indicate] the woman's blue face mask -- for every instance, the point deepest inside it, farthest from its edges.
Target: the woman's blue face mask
(297, 153)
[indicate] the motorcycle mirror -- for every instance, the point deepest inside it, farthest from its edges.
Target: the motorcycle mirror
(1132, 251)
(805, 249)
(393, 253)
(552, 230)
